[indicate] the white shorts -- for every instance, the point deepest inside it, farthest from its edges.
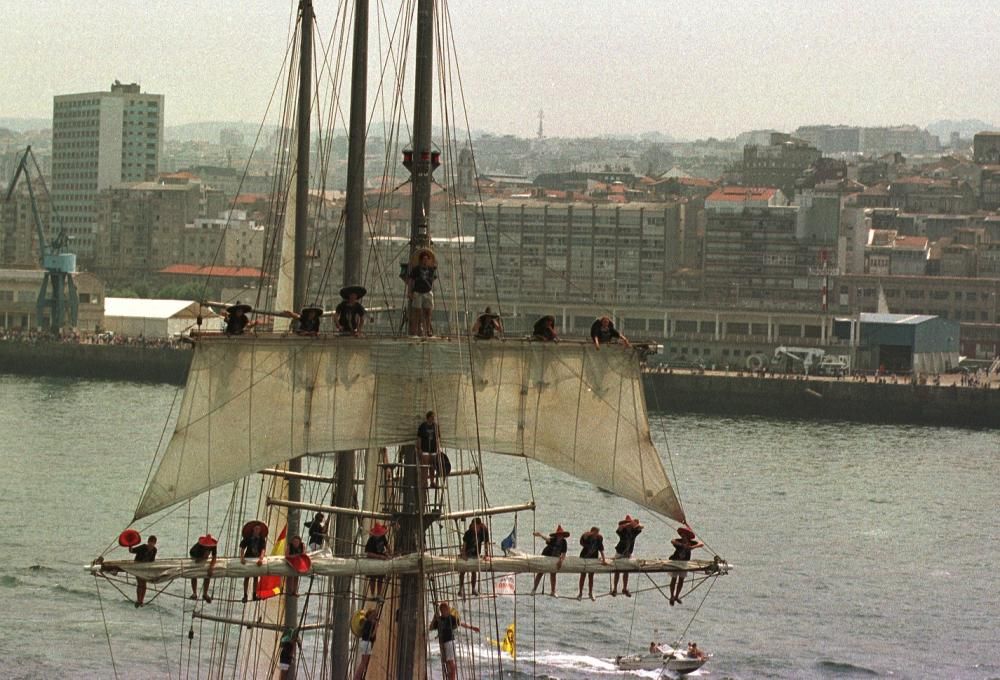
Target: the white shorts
(448, 650)
(423, 300)
(364, 647)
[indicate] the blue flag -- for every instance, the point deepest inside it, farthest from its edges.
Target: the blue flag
(510, 542)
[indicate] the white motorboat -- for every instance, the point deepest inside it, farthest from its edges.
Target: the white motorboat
(667, 658)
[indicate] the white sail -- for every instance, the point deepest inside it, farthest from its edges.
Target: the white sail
(253, 401)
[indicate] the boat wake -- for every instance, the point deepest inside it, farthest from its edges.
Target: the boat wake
(841, 668)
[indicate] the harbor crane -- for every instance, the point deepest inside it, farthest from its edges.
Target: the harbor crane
(59, 266)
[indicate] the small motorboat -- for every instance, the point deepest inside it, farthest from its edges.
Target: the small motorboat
(667, 658)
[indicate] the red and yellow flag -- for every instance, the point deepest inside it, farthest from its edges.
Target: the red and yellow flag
(270, 585)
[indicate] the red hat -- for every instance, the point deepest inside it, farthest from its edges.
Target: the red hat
(248, 528)
(129, 538)
(378, 529)
(686, 532)
(208, 541)
(628, 520)
(560, 532)
(300, 563)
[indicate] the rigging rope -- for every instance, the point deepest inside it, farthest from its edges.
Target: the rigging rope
(107, 631)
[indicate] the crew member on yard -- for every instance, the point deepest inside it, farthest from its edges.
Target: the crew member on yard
(488, 326)
(201, 551)
(419, 284)
(309, 320)
(555, 546)
(236, 318)
(377, 548)
(252, 545)
(545, 329)
(473, 541)
(603, 331)
(592, 546)
(627, 531)
(349, 316)
(682, 552)
(144, 552)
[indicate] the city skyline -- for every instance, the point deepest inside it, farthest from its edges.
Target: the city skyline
(680, 70)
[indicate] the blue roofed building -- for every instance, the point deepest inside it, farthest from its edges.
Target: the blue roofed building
(901, 343)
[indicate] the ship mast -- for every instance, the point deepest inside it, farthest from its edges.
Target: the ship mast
(306, 18)
(353, 236)
(412, 628)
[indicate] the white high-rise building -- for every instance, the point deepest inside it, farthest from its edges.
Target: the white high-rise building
(100, 139)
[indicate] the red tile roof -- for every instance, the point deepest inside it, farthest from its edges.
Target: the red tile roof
(198, 270)
(740, 194)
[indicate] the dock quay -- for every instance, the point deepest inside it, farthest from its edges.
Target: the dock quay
(951, 403)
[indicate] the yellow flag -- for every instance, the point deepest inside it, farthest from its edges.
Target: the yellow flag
(508, 644)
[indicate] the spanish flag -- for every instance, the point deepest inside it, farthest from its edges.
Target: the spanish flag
(270, 585)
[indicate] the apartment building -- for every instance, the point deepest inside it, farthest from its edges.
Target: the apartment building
(230, 240)
(528, 249)
(100, 139)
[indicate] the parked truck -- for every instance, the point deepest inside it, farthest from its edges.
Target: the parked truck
(807, 360)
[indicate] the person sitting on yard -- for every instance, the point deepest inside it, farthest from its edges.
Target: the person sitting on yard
(545, 329)
(488, 326)
(603, 331)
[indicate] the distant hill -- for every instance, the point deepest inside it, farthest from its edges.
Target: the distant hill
(209, 131)
(966, 128)
(26, 124)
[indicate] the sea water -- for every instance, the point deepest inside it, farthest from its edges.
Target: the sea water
(858, 550)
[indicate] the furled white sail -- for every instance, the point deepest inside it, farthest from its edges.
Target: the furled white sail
(254, 401)
(413, 563)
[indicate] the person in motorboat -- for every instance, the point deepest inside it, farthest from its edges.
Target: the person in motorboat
(694, 652)
(555, 546)
(682, 552)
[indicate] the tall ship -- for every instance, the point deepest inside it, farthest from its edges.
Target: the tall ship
(337, 466)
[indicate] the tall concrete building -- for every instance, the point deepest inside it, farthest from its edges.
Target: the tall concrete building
(100, 139)
(532, 250)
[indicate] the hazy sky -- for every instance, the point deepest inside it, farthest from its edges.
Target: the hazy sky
(691, 69)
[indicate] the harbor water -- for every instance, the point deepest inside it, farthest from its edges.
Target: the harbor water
(858, 550)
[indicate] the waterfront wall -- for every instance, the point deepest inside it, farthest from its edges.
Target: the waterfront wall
(788, 397)
(96, 362)
(778, 397)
